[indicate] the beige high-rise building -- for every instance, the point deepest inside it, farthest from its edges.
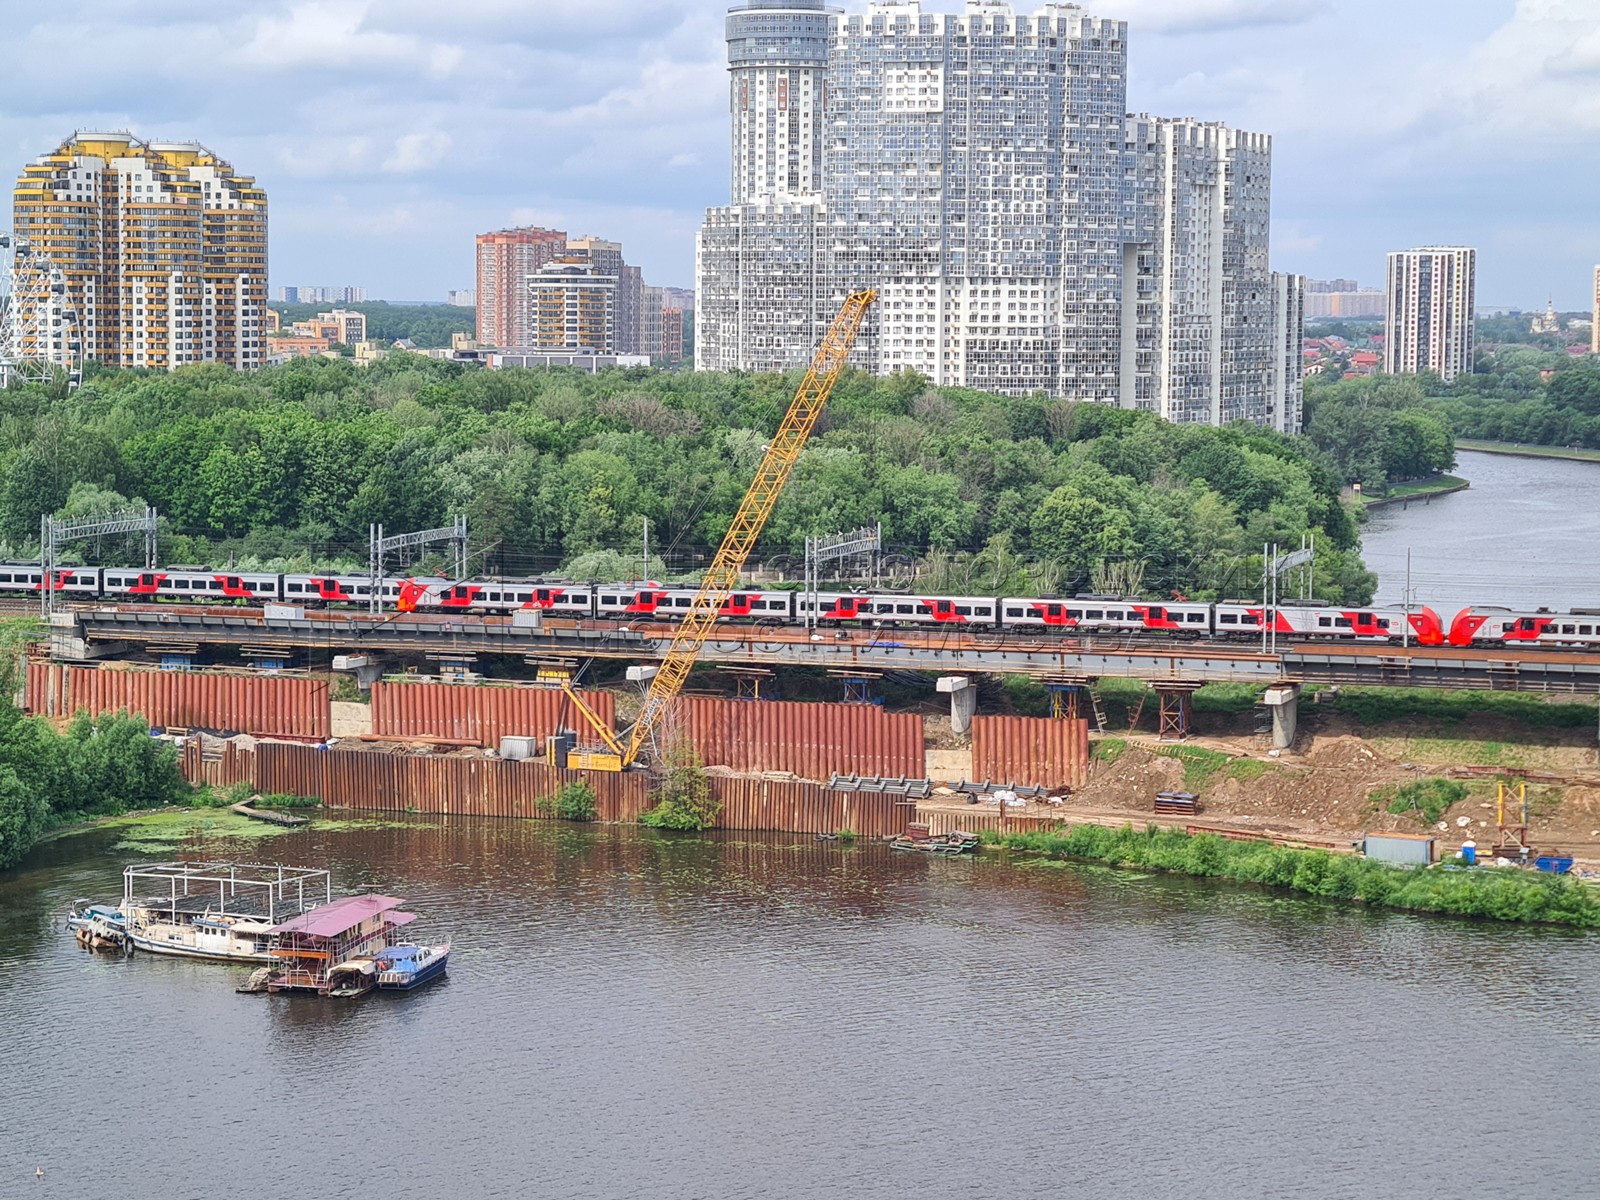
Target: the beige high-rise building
(1594, 330)
(163, 247)
(574, 306)
(1430, 325)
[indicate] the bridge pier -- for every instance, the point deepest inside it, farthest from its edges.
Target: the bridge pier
(367, 668)
(1284, 701)
(963, 700)
(1177, 707)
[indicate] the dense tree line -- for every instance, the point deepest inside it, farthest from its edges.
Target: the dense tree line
(1379, 429)
(96, 768)
(551, 465)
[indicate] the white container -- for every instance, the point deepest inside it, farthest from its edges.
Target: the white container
(518, 748)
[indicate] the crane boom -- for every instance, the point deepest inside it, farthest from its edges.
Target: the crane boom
(722, 577)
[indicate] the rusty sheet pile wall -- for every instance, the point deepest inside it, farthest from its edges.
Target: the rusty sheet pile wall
(479, 715)
(256, 704)
(1032, 751)
(223, 767)
(482, 787)
(799, 807)
(813, 741)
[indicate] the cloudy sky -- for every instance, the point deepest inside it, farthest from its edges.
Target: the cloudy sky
(388, 132)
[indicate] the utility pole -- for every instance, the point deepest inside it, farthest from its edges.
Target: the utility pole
(646, 576)
(1405, 603)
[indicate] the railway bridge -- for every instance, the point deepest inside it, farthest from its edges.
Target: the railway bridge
(1175, 669)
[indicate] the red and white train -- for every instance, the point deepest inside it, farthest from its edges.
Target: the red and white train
(1085, 615)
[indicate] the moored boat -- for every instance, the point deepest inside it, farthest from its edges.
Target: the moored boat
(222, 912)
(408, 965)
(354, 977)
(948, 844)
(100, 927)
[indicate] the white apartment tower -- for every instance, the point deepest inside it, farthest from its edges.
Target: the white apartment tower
(1594, 328)
(1431, 308)
(978, 169)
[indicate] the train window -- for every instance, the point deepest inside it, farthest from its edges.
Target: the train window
(1585, 630)
(609, 601)
(1197, 618)
(1569, 629)
(1508, 626)
(985, 611)
(294, 587)
(1075, 614)
(1228, 619)
(1341, 622)
(1013, 612)
(905, 608)
(1324, 622)
(1095, 614)
(216, 585)
(1114, 615)
(524, 597)
(964, 610)
(682, 602)
(1384, 624)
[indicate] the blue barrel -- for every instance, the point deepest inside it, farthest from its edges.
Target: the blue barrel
(1469, 855)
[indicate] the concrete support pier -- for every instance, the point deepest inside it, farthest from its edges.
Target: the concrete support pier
(963, 700)
(367, 668)
(1284, 701)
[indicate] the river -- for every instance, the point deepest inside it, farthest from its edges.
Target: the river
(637, 1015)
(1525, 534)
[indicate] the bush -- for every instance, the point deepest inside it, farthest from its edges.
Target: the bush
(1501, 894)
(684, 800)
(287, 800)
(574, 802)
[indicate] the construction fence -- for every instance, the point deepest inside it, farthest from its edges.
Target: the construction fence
(1031, 751)
(812, 741)
(268, 706)
(481, 714)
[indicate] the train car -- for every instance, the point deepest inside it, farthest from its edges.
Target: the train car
(493, 596)
(25, 578)
(196, 585)
(1487, 624)
(892, 609)
(1313, 621)
(667, 603)
(1099, 614)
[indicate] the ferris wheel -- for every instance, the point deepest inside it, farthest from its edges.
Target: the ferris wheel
(40, 339)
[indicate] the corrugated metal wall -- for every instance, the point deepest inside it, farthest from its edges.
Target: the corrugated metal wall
(1032, 751)
(266, 705)
(480, 715)
(812, 741)
(798, 807)
(224, 768)
(497, 788)
(482, 787)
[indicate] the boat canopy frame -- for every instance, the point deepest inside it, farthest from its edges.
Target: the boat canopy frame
(268, 890)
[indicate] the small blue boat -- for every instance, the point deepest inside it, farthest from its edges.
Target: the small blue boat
(409, 965)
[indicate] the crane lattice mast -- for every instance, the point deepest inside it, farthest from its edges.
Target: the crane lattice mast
(722, 577)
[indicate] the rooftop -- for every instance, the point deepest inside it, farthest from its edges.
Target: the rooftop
(330, 920)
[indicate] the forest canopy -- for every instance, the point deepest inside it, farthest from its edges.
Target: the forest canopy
(286, 468)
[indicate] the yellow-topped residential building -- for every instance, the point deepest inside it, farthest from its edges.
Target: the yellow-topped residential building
(163, 245)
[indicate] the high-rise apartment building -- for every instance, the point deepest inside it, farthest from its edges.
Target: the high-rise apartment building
(162, 244)
(979, 170)
(1594, 328)
(573, 306)
(1198, 294)
(1430, 325)
(506, 258)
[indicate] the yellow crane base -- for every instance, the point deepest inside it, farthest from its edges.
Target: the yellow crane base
(594, 760)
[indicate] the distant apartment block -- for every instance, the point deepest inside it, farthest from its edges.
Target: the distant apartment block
(162, 244)
(681, 298)
(1429, 325)
(506, 258)
(322, 295)
(1023, 232)
(1343, 299)
(461, 298)
(574, 306)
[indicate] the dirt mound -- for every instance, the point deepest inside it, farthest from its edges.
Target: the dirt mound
(1133, 780)
(1341, 753)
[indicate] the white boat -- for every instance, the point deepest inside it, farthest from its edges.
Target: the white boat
(407, 965)
(222, 912)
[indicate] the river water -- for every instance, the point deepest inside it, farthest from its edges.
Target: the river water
(1525, 535)
(637, 1015)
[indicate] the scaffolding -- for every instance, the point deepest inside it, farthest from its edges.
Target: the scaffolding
(865, 544)
(53, 532)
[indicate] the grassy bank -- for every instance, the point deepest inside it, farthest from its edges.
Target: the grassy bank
(1518, 451)
(1498, 894)
(1419, 490)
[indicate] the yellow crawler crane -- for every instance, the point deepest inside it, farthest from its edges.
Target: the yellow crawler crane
(722, 578)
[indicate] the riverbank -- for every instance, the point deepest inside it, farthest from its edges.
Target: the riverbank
(1499, 894)
(1516, 450)
(1421, 489)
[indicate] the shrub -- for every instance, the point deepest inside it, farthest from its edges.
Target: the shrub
(574, 802)
(288, 800)
(684, 800)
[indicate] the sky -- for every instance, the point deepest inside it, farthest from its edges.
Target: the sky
(388, 132)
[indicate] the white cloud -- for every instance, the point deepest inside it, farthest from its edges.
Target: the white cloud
(417, 152)
(1208, 16)
(336, 34)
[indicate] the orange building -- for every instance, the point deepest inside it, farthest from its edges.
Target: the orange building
(505, 260)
